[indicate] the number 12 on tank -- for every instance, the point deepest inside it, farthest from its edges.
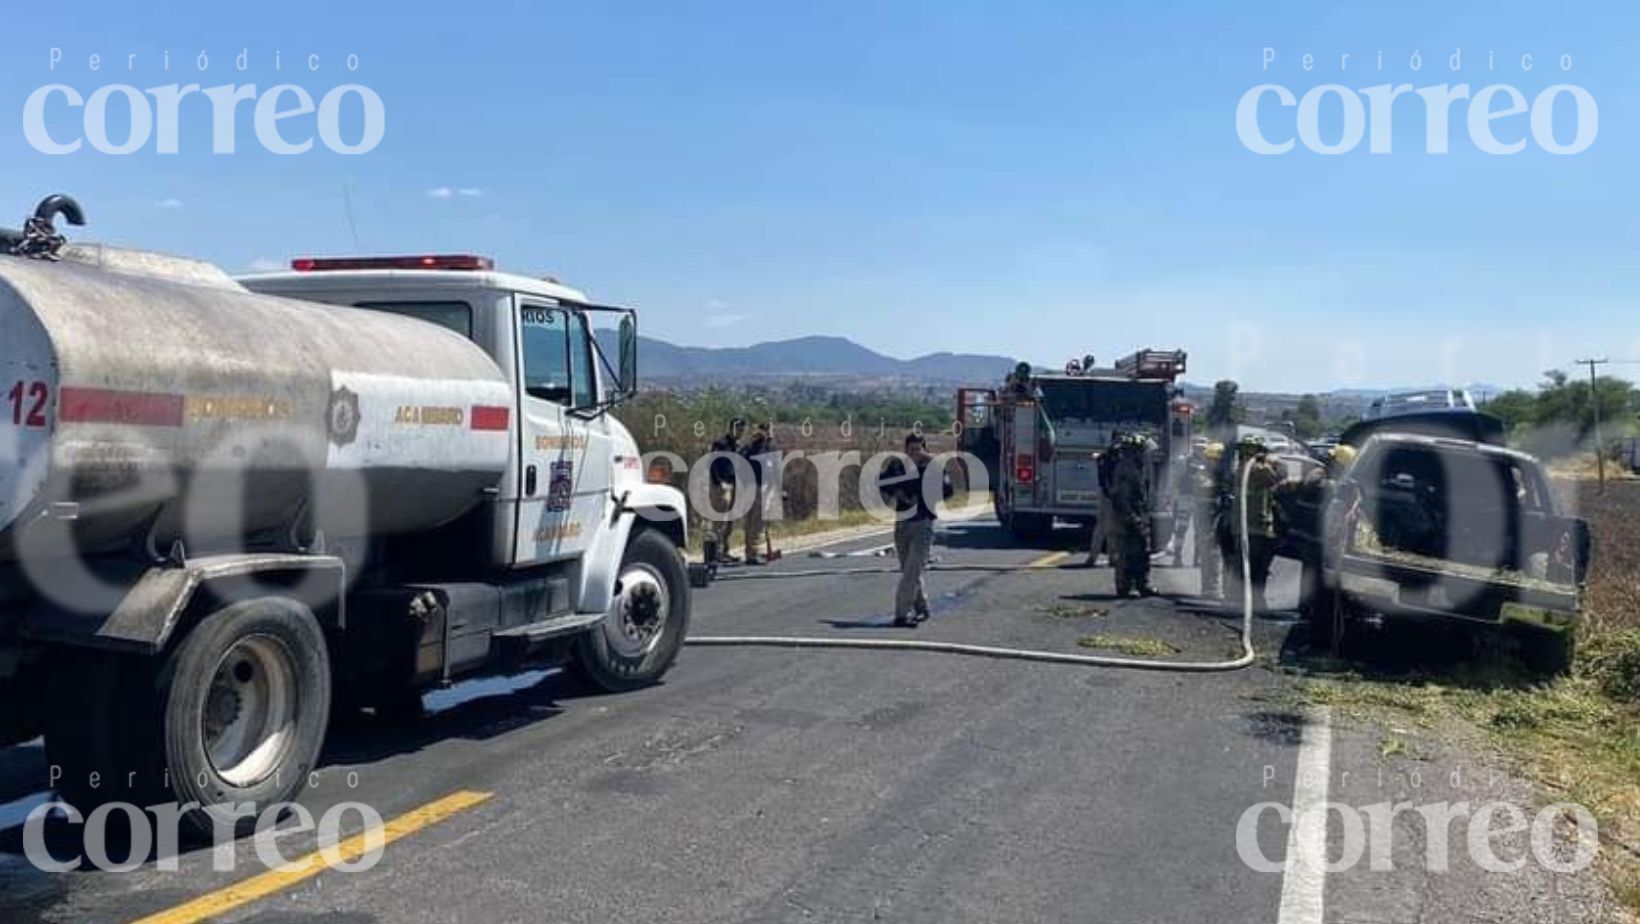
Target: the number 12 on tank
(27, 401)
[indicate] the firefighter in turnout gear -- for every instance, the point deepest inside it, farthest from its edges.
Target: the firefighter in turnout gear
(723, 487)
(1315, 604)
(759, 451)
(1204, 489)
(1131, 508)
(1264, 476)
(1104, 465)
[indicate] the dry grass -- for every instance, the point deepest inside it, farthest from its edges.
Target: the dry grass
(800, 479)
(1614, 574)
(1132, 646)
(1578, 737)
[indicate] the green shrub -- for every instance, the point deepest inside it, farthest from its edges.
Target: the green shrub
(1612, 660)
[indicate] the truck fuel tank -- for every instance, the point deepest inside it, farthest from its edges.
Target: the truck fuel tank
(147, 397)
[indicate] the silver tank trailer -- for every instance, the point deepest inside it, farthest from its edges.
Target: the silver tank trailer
(148, 398)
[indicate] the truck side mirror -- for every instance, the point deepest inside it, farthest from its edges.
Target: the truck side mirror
(629, 356)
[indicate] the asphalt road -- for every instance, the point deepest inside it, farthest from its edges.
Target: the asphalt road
(764, 785)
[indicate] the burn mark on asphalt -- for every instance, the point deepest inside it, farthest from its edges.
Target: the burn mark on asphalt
(892, 715)
(1282, 728)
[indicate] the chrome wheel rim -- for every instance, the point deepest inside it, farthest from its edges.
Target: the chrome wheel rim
(249, 716)
(638, 618)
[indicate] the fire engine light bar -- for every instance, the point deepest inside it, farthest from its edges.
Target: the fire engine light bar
(440, 261)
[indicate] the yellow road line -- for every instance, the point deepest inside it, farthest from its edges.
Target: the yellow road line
(1052, 558)
(261, 886)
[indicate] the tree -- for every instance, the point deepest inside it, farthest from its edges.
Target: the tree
(1307, 418)
(1223, 413)
(1558, 418)
(1516, 408)
(1564, 402)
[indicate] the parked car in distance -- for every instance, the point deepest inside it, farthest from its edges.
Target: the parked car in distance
(1414, 402)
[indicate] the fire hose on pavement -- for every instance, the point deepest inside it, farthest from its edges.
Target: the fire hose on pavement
(1246, 659)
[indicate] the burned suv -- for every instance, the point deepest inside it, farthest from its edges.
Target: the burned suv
(1425, 525)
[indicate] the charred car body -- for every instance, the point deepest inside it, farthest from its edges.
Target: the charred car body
(1435, 519)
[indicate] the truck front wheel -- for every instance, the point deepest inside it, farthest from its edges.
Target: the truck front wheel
(232, 718)
(640, 636)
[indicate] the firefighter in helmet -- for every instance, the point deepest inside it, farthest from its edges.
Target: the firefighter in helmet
(1104, 465)
(1203, 476)
(761, 452)
(1131, 507)
(1263, 477)
(722, 472)
(1318, 484)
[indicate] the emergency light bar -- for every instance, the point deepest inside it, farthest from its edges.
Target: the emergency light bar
(443, 261)
(1152, 364)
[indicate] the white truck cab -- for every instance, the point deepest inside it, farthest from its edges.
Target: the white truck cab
(572, 461)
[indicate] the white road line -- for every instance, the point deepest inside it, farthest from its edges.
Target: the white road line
(1304, 881)
(870, 552)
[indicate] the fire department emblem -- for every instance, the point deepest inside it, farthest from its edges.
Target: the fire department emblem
(343, 416)
(561, 486)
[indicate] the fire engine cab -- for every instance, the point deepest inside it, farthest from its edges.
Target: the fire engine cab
(1039, 436)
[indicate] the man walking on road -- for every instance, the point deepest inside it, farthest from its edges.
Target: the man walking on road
(902, 487)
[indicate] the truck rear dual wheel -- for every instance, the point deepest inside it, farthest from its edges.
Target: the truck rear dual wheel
(236, 713)
(639, 638)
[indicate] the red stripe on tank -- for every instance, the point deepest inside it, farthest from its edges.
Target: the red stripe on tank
(490, 417)
(107, 406)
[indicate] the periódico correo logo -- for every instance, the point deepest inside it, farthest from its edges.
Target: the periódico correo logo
(287, 118)
(1367, 114)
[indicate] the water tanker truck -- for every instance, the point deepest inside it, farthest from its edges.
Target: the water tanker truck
(231, 508)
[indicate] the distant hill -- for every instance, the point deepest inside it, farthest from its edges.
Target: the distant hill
(815, 357)
(840, 362)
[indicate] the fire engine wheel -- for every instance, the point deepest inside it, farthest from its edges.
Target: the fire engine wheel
(639, 638)
(247, 706)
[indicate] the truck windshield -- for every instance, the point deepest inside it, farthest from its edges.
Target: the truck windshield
(1105, 401)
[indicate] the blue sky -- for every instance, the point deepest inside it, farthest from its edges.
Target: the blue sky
(1034, 179)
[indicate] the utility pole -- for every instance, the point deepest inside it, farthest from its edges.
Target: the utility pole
(1594, 402)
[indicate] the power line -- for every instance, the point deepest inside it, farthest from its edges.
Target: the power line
(1594, 402)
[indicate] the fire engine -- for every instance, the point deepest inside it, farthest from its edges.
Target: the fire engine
(1039, 435)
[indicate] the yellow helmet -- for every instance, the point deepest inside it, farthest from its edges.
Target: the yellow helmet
(1343, 455)
(1214, 451)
